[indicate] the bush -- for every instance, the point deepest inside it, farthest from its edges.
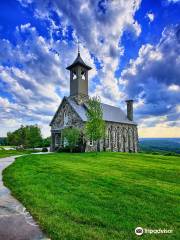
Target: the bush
(77, 149)
(72, 137)
(63, 149)
(44, 149)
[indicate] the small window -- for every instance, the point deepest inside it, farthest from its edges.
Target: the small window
(74, 75)
(65, 119)
(115, 137)
(109, 138)
(91, 142)
(83, 74)
(57, 139)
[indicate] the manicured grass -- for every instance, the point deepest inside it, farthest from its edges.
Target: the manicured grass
(103, 197)
(8, 153)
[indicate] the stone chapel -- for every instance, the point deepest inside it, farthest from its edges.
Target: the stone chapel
(121, 130)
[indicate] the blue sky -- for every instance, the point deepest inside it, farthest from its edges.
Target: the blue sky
(133, 47)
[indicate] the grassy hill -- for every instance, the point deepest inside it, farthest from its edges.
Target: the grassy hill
(103, 197)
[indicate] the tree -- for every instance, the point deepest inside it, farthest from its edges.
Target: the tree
(34, 137)
(71, 135)
(26, 136)
(46, 142)
(13, 138)
(3, 141)
(95, 125)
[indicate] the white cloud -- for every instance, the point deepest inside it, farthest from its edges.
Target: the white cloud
(95, 22)
(150, 16)
(35, 77)
(173, 1)
(174, 87)
(153, 78)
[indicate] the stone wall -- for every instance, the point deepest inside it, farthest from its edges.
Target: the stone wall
(119, 137)
(58, 124)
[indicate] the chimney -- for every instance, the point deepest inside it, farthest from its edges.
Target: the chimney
(129, 109)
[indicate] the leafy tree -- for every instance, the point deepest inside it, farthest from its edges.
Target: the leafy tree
(95, 125)
(71, 135)
(46, 142)
(27, 136)
(3, 141)
(13, 138)
(34, 137)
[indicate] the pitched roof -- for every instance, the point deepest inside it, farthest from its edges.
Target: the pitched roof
(110, 113)
(79, 61)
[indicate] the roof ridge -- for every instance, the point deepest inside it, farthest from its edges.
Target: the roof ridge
(111, 105)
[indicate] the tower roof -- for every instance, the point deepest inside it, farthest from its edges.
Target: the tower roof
(78, 61)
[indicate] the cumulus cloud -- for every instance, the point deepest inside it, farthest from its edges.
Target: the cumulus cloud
(34, 76)
(153, 78)
(32, 70)
(99, 25)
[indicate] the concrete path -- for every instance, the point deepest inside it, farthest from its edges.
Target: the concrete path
(15, 222)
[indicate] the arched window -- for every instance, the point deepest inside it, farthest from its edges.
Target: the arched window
(83, 74)
(74, 74)
(65, 118)
(57, 139)
(109, 137)
(115, 137)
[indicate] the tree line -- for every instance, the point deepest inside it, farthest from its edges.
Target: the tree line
(30, 136)
(27, 137)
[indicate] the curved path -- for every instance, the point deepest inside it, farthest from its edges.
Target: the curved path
(15, 222)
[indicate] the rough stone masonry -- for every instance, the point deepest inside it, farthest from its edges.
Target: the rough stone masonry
(121, 130)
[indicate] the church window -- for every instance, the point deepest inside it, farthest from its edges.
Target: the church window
(115, 137)
(91, 142)
(57, 139)
(65, 118)
(74, 74)
(83, 74)
(109, 138)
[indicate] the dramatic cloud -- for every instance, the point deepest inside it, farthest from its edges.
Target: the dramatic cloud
(99, 25)
(153, 79)
(34, 77)
(32, 70)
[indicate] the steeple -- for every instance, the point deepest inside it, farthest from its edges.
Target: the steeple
(78, 48)
(79, 77)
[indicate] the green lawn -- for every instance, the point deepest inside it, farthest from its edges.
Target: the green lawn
(84, 196)
(8, 153)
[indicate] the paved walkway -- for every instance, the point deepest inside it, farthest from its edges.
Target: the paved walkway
(15, 222)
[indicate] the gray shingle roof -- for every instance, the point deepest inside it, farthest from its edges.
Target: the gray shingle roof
(110, 113)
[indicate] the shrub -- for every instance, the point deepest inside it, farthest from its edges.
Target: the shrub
(44, 149)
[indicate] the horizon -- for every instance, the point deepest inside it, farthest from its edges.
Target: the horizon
(126, 43)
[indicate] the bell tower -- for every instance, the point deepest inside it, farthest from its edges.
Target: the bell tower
(79, 79)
